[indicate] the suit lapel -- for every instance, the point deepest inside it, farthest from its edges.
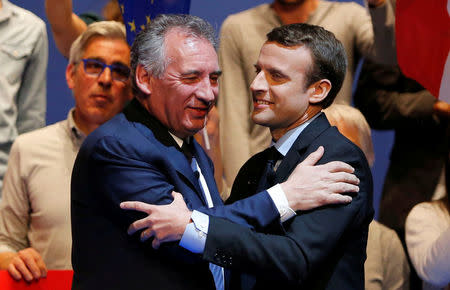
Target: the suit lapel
(137, 114)
(295, 154)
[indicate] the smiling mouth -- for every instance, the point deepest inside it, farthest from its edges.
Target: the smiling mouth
(263, 103)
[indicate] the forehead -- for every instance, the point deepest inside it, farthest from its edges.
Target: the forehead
(113, 49)
(285, 58)
(184, 50)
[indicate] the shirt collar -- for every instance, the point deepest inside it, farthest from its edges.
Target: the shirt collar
(5, 11)
(177, 139)
(285, 142)
(77, 135)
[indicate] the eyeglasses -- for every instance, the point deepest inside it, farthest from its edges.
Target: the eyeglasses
(95, 67)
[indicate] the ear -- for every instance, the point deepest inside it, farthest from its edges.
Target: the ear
(70, 74)
(319, 91)
(143, 78)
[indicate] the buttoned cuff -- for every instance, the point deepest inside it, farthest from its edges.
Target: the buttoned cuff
(194, 236)
(281, 203)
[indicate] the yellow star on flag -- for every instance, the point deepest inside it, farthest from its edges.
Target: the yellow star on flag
(142, 27)
(148, 19)
(132, 26)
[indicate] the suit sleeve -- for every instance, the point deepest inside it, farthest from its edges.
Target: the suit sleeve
(32, 97)
(375, 33)
(389, 100)
(308, 239)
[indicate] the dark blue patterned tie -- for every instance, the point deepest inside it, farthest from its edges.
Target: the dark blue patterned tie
(268, 176)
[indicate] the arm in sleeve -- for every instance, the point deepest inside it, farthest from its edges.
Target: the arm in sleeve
(14, 206)
(32, 98)
(375, 34)
(234, 102)
(427, 243)
(384, 100)
(66, 25)
(307, 241)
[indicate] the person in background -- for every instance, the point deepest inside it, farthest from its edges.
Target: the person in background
(35, 230)
(391, 101)
(427, 232)
(386, 267)
(369, 34)
(23, 75)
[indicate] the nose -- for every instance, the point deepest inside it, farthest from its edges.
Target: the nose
(259, 84)
(207, 92)
(105, 78)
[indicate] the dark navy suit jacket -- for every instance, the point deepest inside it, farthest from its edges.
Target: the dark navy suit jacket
(324, 248)
(133, 157)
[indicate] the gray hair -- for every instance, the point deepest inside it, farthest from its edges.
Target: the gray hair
(339, 114)
(107, 29)
(149, 49)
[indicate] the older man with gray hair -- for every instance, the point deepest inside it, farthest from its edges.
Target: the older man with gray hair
(34, 213)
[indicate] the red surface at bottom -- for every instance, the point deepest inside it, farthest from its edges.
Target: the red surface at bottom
(55, 280)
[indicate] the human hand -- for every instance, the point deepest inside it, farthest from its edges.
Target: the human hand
(442, 109)
(27, 264)
(165, 223)
(310, 186)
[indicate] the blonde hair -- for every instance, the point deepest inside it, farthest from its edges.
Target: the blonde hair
(338, 114)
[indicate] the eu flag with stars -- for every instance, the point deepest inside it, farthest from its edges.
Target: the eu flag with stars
(138, 13)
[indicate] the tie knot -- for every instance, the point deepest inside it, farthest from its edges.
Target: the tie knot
(272, 154)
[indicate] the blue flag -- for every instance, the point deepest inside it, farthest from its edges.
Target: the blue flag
(138, 13)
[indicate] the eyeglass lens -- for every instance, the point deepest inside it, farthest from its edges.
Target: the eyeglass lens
(96, 67)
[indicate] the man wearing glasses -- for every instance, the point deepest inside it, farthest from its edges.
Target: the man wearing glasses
(35, 232)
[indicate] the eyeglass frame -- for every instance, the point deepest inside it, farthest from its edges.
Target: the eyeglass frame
(104, 65)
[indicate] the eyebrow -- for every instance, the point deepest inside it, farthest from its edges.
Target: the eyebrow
(196, 72)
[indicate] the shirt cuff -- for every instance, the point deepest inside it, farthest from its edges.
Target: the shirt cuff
(194, 236)
(281, 203)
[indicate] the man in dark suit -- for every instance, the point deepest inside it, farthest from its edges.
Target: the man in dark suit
(147, 152)
(299, 72)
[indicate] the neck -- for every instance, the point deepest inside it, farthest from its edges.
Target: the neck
(85, 126)
(310, 112)
(295, 13)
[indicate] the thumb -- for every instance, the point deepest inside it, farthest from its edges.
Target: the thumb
(314, 157)
(177, 197)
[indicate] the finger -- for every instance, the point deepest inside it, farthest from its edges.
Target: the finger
(42, 267)
(178, 198)
(147, 234)
(136, 205)
(345, 177)
(139, 225)
(14, 272)
(22, 268)
(337, 199)
(314, 157)
(28, 258)
(342, 187)
(338, 166)
(156, 244)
